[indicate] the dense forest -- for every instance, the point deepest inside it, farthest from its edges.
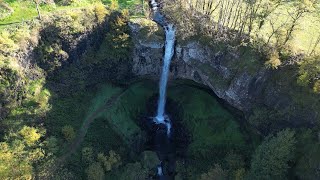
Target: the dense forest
(79, 87)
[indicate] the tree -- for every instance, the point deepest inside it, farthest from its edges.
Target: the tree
(308, 153)
(309, 72)
(274, 60)
(317, 42)
(235, 164)
(301, 7)
(216, 173)
(118, 38)
(276, 31)
(95, 171)
(38, 2)
(270, 160)
(68, 132)
(114, 5)
(268, 7)
(30, 135)
(134, 171)
(17, 155)
(111, 161)
(101, 12)
(13, 161)
(87, 155)
(234, 161)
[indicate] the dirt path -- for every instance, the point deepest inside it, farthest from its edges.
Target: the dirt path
(74, 145)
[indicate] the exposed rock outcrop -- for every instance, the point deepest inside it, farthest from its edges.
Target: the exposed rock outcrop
(242, 86)
(201, 64)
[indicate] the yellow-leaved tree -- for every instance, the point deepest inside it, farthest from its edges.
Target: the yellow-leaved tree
(17, 155)
(30, 134)
(114, 5)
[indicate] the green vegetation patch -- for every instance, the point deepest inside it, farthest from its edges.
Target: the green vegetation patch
(23, 10)
(122, 114)
(149, 30)
(214, 130)
(69, 110)
(125, 4)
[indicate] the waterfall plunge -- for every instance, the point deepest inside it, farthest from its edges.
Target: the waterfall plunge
(154, 5)
(161, 118)
(169, 50)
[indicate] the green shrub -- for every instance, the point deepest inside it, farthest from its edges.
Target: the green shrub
(95, 171)
(13, 165)
(111, 161)
(87, 155)
(270, 160)
(30, 135)
(114, 5)
(274, 61)
(66, 2)
(22, 36)
(316, 86)
(307, 166)
(215, 173)
(234, 161)
(133, 171)
(100, 12)
(118, 38)
(68, 132)
(52, 144)
(239, 174)
(309, 71)
(7, 44)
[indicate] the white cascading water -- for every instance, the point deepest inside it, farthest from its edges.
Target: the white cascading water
(154, 5)
(169, 50)
(161, 118)
(159, 170)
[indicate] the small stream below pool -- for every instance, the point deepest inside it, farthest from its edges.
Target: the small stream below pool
(163, 131)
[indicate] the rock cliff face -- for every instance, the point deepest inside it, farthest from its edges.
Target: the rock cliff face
(201, 64)
(242, 87)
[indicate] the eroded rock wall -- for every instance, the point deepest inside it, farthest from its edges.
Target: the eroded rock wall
(242, 86)
(201, 64)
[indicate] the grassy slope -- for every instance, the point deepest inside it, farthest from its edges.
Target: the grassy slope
(114, 122)
(131, 104)
(26, 10)
(304, 34)
(213, 128)
(73, 110)
(125, 3)
(114, 126)
(202, 115)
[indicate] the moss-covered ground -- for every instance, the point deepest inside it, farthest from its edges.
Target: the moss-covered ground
(214, 130)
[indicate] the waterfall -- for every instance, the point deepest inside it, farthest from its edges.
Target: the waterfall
(159, 170)
(154, 5)
(169, 50)
(161, 117)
